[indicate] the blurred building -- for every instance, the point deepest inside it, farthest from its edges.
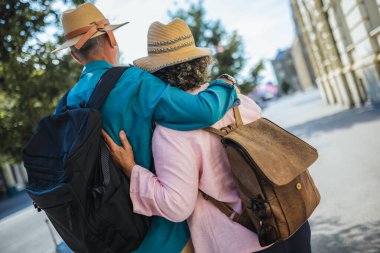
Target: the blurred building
(301, 58)
(342, 41)
(284, 69)
(304, 74)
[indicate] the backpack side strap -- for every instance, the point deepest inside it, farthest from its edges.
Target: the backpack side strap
(243, 218)
(223, 207)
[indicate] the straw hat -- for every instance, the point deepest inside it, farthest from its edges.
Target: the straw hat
(84, 23)
(169, 45)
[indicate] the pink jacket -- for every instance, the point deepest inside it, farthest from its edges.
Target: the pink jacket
(184, 162)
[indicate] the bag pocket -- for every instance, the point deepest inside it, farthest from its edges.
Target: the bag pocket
(41, 178)
(64, 212)
(115, 223)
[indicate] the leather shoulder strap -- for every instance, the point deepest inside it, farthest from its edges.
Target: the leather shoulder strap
(104, 87)
(215, 131)
(243, 218)
(224, 131)
(237, 115)
(223, 207)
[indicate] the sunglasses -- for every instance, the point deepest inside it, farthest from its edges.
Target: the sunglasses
(267, 233)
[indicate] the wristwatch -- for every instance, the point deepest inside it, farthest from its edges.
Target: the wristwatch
(228, 77)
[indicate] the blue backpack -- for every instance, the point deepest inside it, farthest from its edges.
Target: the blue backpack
(74, 180)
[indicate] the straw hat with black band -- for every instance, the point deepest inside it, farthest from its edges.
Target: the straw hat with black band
(169, 45)
(84, 23)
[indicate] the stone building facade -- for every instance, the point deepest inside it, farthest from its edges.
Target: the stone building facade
(284, 69)
(304, 74)
(342, 38)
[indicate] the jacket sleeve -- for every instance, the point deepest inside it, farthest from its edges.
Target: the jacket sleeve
(172, 193)
(180, 110)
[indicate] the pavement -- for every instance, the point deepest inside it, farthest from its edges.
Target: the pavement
(347, 175)
(347, 172)
(26, 231)
(11, 205)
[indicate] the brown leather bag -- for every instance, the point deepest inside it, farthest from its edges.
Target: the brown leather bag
(269, 166)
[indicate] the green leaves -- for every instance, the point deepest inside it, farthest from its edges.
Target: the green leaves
(228, 48)
(31, 78)
(254, 78)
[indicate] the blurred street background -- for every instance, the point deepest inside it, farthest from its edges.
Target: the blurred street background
(312, 65)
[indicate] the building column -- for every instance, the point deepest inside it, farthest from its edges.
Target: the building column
(9, 179)
(20, 183)
(23, 172)
(333, 56)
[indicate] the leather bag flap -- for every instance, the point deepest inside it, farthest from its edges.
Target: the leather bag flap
(279, 155)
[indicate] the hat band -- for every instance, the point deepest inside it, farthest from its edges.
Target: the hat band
(89, 31)
(169, 42)
(170, 49)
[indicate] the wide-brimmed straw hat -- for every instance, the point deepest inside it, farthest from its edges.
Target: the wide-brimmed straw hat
(84, 23)
(169, 45)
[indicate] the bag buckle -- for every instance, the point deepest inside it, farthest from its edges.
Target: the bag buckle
(37, 207)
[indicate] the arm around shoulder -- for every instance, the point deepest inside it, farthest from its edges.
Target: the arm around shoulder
(180, 110)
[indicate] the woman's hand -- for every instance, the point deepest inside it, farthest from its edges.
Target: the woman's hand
(122, 155)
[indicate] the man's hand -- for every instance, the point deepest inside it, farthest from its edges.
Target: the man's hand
(122, 155)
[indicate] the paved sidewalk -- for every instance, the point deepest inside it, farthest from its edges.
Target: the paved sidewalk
(347, 172)
(26, 232)
(13, 204)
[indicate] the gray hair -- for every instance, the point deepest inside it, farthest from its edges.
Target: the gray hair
(89, 47)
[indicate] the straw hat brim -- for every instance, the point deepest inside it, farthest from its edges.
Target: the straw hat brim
(73, 41)
(155, 62)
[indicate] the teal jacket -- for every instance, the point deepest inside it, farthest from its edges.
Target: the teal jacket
(137, 101)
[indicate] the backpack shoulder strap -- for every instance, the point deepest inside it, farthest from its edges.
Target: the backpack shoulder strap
(101, 91)
(104, 87)
(62, 104)
(237, 115)
(224, 131)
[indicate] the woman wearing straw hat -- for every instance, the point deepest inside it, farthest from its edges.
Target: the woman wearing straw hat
(187, 162)
(137, 99)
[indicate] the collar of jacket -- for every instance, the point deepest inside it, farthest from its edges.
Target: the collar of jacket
(95, 65)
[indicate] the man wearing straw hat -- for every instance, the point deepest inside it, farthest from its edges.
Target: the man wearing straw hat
(138, 100)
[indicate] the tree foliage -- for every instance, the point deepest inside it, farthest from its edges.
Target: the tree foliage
(31, 78)
(228, 48)
(254, 78)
